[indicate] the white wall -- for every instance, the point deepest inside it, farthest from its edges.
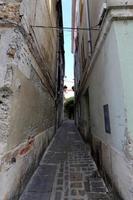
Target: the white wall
(125, 40)
(106, 88)
(110, 82)
(96, 9)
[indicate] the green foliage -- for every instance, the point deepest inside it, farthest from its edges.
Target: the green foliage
(69, 107)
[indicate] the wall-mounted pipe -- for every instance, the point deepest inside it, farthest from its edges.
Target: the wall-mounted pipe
(89, 23)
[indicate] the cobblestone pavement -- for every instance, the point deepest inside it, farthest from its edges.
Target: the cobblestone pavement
(66, 171)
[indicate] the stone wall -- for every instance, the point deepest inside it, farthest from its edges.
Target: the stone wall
(27, 89)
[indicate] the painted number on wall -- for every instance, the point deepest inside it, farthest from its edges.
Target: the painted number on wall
(107, 118)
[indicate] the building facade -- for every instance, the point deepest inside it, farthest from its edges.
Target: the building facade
(102, 46)
(31, 87)
(68, 92)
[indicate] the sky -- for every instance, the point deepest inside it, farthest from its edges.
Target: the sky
(67, 7)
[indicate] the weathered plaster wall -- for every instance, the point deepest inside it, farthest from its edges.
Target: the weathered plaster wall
(110, 83)
(18, 165)
(107, 79)
(105, 85)
(124, 38)
(42, 13)
(96, 11)
(27, 88)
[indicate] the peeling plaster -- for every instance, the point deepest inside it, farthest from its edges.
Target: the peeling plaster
(5, 95)
(27, 111)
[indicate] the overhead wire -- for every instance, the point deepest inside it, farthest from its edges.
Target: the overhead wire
(94, 28)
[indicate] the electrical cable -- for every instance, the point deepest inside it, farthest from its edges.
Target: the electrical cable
(66, 28)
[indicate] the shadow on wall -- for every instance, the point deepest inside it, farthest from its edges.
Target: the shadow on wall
(69, 108)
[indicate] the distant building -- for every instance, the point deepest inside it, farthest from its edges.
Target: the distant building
(68, 92)
(103, 49)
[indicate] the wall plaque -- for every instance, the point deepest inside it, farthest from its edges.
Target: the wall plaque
(107, 118)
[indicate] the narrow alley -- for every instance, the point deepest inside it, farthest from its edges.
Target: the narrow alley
(66, 100)
(66, 171)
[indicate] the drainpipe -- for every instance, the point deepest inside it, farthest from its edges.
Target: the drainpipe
(89, 23)
(57, 66)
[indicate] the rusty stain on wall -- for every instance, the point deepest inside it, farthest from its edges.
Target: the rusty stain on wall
(27, 148)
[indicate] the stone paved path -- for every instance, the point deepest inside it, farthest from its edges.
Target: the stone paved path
(66, 171)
